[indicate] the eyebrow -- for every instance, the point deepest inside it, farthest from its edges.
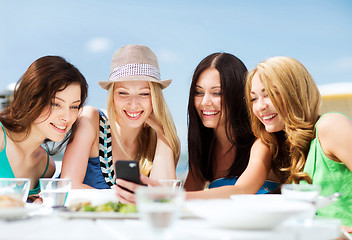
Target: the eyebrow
(77, 101)
(210, 88)
(263, 90)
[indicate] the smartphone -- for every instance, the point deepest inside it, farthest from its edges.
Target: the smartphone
(127, 170)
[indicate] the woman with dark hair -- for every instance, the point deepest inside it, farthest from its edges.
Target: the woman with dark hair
(221, 146)
(45, 106)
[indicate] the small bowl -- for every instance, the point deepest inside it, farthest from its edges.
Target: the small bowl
(14, 192)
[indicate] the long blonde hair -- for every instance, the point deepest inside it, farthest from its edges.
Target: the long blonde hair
(296, 98)
(147, 137)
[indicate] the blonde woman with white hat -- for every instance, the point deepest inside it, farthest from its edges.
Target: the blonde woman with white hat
(138, 126)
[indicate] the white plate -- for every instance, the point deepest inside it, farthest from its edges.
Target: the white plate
(111, 215)
(263, 211)
(18, 212)
(95, 197)
(97, 215)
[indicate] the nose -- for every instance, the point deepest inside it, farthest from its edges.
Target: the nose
(261, 104)
(133, 101)
(66, 115)
(206, 101)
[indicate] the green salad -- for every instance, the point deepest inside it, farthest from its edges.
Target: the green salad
(107, 207)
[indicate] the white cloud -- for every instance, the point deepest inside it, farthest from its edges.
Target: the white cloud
(335, 88)
(98, 44)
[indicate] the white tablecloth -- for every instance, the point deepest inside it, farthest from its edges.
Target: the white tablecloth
(56, 227)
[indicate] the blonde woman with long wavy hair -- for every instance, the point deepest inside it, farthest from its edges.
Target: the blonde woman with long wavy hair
(283, 103)
(137, 126)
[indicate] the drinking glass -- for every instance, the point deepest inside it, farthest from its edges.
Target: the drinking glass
(159, 207)
(54, 191)
(175, 184)
(15, 188)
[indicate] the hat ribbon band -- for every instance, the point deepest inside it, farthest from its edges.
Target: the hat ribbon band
(135, 69)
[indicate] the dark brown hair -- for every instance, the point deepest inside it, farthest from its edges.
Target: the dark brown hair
(201, 140)
(35, 90)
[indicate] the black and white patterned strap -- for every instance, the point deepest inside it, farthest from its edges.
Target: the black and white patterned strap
(105, 150)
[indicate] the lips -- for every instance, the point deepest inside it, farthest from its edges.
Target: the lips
(210, 113)
(268, 117)
(133, 115)
(59, 127)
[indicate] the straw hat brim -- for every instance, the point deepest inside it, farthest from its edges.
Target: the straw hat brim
(106, 84)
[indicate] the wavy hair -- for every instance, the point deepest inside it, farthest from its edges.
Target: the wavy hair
(147, 137)
(296, 98)
(34, 92)
(201, 140)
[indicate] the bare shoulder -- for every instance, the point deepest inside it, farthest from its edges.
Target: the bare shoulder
(333, 124)
(259, 145)
(88, 116)
(89, 112)
(334, 131)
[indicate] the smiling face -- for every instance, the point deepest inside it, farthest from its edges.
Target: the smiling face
(56, 120)
(263, 108)
(133, 103)
(207, 100)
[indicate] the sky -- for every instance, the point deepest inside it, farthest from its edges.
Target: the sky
(181, 33)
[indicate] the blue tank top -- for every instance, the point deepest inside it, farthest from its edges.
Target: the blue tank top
(268, 186)
(6, 170)
(100, 173)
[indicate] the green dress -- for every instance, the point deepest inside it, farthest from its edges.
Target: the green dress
(333, 177)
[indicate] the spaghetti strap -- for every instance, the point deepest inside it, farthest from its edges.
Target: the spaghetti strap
(4, 134)
(47, 164)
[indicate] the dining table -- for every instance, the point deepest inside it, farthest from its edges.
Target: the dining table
(54, 224)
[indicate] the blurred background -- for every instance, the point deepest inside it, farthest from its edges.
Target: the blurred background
(181, 33)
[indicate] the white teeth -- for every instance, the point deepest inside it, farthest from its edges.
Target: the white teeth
(209, 113)
(133, 114)
(270, 116)
(59, 127)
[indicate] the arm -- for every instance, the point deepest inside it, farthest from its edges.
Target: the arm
(251, 180)
(75, 160)
(164, 163)
(334, 134)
